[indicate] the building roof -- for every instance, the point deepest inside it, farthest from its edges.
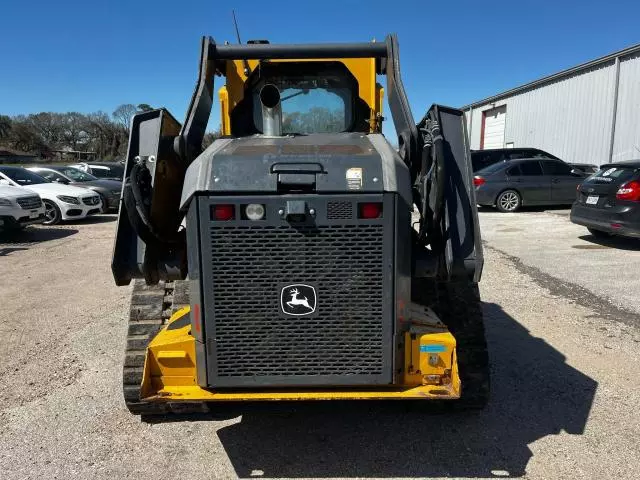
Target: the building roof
(557, 76)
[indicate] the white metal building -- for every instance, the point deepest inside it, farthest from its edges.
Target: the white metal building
(586, 114)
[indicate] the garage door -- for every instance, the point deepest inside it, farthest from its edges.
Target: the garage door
(493, 127)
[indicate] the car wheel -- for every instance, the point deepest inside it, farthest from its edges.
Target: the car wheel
(508, 201)
(598, 233)
(52, 213)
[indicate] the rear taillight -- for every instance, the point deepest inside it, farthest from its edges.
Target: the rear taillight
(369, 210)
(629, 191)
(477, 181)
(223, 212)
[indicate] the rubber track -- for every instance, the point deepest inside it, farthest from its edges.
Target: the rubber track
(151, 308)
(458, 305)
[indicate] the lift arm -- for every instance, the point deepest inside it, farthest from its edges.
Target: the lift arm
(148, 241)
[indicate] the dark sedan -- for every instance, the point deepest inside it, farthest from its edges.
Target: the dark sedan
(107, 170)
(609, 201)
(588, 168)
(510, 185)
(109, 190)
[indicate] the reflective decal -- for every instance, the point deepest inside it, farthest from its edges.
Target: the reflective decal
(354, 179)
(435, 348)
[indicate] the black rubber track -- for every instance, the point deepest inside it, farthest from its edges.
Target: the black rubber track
(151, 308)
(458, 305)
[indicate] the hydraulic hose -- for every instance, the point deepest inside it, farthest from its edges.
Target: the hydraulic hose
(438, 148)
(136, 193)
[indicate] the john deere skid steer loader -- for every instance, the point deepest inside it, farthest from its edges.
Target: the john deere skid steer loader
(301, 255)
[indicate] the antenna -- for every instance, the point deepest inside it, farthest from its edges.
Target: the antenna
(247, 70)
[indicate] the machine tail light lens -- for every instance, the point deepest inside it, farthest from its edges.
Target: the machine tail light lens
(629, 191)
(477, 181)
(223, 212)
(370, 210)
(254, 211)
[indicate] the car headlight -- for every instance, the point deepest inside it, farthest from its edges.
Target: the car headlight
(66, 199)
(5, 202)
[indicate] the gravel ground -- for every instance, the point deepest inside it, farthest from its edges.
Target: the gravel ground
(565, 398)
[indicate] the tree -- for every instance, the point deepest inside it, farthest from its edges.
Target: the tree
(5, 126)
(74, 133)
(122, 115)
(144, 107)
(23, 136)
(105, 136)
(210, 137)
(49, 126)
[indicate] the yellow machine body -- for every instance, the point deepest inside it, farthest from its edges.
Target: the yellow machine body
(363, 70)
(430, 372)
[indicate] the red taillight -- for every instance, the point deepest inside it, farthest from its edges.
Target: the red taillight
(369, 210)
(477, 181)
(629, 191)
(223, 212)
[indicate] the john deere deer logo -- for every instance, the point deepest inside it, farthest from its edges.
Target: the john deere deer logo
(298, 299)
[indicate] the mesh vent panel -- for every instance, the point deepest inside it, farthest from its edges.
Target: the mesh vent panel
(251, 265)
(339, 210)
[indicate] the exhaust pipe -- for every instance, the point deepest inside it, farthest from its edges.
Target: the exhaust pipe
(271, 111)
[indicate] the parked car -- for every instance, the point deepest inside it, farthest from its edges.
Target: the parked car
(510, 185)
(588, 168)
(484, 158)
(61, 202)
(19, 207)
(609, 201)
(109, 190)
(110, 170)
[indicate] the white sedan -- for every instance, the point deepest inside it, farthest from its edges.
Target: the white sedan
(61, 202)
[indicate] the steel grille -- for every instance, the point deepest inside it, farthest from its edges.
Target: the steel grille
(91, 200)
(250, 266)
(339, 210)
(29, 203)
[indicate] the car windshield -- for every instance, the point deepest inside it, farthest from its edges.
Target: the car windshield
(76, 175)
(615, 174)
(22, 176)
(310, 104)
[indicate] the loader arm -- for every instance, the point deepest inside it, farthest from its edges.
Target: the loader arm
(444, 194)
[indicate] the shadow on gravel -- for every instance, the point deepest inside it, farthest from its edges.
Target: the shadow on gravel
(561, 210)
(535, 394)
(101, 218)
(6, 251)
(621, 243)
(35, 234)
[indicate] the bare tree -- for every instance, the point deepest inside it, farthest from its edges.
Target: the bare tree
(210, 137)
(122, 115)
(49, 126)
(5, 126)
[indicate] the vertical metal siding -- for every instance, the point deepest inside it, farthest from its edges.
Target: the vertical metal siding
(570, 117)
(626, 145)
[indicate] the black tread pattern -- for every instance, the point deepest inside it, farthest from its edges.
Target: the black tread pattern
(151, 308)
(458, 305)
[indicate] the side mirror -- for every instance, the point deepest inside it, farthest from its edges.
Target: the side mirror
(577, 173)
(4, 181)
(61, 180)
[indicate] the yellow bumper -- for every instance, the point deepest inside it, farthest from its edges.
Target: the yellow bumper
(430, 372)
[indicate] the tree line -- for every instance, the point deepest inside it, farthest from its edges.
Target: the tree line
(45, 132)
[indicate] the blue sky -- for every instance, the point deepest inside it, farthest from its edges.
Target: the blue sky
(87, 56)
